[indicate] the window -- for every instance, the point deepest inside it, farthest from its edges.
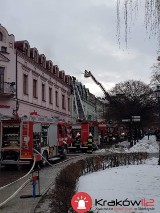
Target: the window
(69, 107)
(1, 79)
(1, 36)
(43, 61)
(35, 56)
(25, 84)
(50, 95)
(57, 101)
(63, 101)
(26, 49)
(34, 88)
(43, 92)
(4, 49)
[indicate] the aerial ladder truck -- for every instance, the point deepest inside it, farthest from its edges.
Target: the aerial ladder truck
(83, 126)
(107, 129)
(78, 101)
(88, 74)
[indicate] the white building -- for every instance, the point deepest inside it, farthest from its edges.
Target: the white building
(29, 82)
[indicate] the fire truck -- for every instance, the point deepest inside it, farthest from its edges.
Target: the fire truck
(23, 139)
(112, 132)
(84, 128)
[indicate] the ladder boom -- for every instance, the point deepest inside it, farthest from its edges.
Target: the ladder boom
(88, 74)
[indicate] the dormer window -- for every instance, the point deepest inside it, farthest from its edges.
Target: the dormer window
(26, 49)
(43, 62)
(1, 36)
(49, 65)
(55, 70)
(35, 56)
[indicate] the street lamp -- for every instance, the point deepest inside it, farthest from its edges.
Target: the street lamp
(157, 92)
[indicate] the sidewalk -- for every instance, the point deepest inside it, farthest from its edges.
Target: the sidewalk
(27, 205)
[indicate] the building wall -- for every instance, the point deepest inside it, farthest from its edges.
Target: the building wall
(42, 107)
(19, 62)
(8, 59)
(8, 62)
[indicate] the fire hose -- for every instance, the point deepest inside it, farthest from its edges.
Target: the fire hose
(27, 181)
(21, 177)
(20, 188)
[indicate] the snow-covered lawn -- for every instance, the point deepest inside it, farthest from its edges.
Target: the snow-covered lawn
(126, 183)
(133, 182)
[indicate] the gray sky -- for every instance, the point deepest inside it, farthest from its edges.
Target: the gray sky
(81, 34)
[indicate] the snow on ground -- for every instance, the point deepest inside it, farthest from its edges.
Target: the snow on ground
(144, 145)
(133, 182)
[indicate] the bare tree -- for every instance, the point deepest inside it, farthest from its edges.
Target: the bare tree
(131, 9)
(155, 76)
(136, 98)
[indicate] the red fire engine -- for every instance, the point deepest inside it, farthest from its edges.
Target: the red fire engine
(21, 138)
(84, 128)
(112, 132)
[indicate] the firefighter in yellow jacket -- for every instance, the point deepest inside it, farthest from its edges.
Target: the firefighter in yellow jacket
(90, 142)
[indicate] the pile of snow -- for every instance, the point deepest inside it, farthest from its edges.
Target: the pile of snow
(145, 145)
(101, 151)
(133, 182)
(111, 150)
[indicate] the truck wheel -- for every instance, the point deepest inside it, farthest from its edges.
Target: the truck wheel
(45, 157)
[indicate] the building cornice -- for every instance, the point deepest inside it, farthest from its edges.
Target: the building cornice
(25, 68)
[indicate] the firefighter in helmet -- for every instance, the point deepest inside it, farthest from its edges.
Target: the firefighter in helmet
(78, 142)
(90, 142)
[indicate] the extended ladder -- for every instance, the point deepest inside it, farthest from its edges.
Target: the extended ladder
(78, 102)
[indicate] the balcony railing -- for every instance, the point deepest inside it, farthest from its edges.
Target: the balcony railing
(7, 89)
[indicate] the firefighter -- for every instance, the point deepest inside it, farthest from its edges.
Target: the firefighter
(78, 142)
(90, 142)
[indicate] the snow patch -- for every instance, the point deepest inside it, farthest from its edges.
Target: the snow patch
(134, 182)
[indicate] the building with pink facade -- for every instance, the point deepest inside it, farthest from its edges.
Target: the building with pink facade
(29, 82)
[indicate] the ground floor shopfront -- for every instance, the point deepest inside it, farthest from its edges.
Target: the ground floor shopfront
(8, 108)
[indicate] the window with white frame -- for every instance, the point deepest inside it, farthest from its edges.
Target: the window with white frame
(63, 101)
(69, 105)
(25, 84)
(1, 79)
(43, 92)
(50, 95)
(3, 49)
(57, 99)
(35, 88)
